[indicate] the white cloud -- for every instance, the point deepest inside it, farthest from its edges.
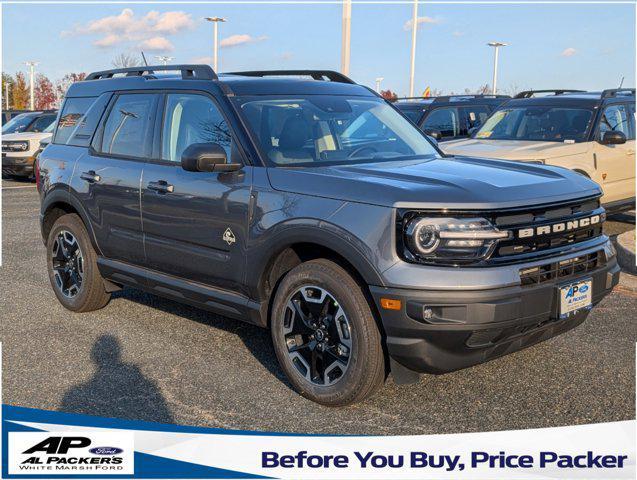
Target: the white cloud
(157, 44)
(126, 27)
(242, 39)
(568, 52)
(457, 33)
(419, 21)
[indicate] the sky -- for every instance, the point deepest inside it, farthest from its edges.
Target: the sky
(583, 46)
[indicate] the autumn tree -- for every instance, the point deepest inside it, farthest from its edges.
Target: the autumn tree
(389, 95)
(7, 81)
(44, 93)
(20, 92)
(62, 85)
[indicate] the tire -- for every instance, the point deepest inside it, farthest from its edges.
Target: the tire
(350, 335)
(89, 292)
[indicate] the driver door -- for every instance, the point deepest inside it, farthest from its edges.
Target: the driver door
(616, 163)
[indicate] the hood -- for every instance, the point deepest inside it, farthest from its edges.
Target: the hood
(26, 136)
(458, 183)
(512, 149)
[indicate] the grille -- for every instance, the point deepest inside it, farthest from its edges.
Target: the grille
(563, 269)
(548, 217)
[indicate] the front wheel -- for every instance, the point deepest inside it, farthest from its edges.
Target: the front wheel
(325, 335)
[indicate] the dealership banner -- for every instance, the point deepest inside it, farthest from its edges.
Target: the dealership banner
(41, 444)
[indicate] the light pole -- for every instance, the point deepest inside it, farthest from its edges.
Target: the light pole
(378, 80)
(215, 21)
(6, 94)
(31, 66)
(346, 36)
(164, 59)
(496, 46)
(414, 29)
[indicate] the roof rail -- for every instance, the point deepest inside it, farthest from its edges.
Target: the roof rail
(194, 72)
(459, 97)
(331, 75)
(531, 93)
(613, 92)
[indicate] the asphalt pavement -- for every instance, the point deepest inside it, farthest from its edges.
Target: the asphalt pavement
(146, 358)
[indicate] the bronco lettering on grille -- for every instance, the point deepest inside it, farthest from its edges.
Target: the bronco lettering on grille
(559, 227)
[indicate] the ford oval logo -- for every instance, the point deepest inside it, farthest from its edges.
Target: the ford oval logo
(583, 289)
(105, 450)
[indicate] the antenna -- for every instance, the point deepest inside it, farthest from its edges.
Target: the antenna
(144, 57)
(621, 83)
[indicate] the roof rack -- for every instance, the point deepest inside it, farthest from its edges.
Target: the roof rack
(331, 75)
(614, 92)
(460, 97)
(531, 93)
(194, 72)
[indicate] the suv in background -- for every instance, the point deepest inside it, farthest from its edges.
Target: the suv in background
(592, 133)
(20, 150)
(35, 122)
(9, 114)
(449, 117)
(302, 202)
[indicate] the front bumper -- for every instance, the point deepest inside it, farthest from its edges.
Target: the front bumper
(17, 165)
(468, 327)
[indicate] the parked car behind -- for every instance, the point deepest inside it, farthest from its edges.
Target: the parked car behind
(592, 133)
(449, 117)
(30, 122)
(9, 114)
(19, 151)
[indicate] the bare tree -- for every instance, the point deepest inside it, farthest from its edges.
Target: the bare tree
(124, 60)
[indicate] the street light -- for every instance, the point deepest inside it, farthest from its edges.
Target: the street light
(215, 21)
(164, 59)
(414, 29)
(346, 36)
(31, 66)
(378, 80)
(496, 46)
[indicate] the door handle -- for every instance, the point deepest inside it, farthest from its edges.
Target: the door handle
(161, 186)
(90, 176)
(630, 152)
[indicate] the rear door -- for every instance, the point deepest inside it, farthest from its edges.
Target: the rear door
(195, 223)
(107, 179)
(616, 163)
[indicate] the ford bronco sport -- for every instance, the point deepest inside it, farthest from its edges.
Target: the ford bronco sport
(305, 203)
(592, 133)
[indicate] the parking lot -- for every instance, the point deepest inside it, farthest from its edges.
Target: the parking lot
(143, 357)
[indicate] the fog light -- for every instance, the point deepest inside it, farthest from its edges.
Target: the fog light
(427, 313)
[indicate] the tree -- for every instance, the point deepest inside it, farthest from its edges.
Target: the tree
(44, 93)
(389, 95)
(20, 92)
(124, 60)
(62, 85)
(7, 80)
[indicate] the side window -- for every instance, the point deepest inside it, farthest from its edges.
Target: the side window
(444, 120)
(41, 123)
(128, 129)
(72, 114)
(615, 118)
(476, 115)
(192, 118)
(413, 114)
(632, 120)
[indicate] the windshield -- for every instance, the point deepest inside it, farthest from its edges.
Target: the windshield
(19, 123)
(538, 123)
(314, 130)
(50, 128)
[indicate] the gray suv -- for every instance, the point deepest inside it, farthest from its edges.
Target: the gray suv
(304, 203)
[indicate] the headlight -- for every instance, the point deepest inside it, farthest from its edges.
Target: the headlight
(15, 146)
(450, 240)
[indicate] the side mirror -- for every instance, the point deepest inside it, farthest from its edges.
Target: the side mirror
(434, 134)
(207, 157)
(613, 138)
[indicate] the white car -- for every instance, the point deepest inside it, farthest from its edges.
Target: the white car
(19, 150)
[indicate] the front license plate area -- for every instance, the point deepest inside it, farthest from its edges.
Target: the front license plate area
(575, 297)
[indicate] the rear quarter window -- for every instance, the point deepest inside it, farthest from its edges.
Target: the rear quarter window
(79, 119)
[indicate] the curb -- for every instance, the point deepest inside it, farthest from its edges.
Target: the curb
(625, 246)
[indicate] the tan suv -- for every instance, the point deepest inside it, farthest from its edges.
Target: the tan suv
(592, 133)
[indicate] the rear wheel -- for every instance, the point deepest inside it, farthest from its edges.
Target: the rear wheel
(72, 266)
(325, 335)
